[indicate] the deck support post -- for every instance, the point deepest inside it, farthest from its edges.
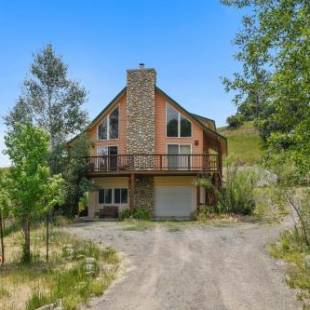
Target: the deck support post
(132, 191)
(198, 197)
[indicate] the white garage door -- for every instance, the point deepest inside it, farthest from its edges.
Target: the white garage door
(173, 201)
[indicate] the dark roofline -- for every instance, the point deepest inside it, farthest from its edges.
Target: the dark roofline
(194, 116)
(207, 129)
(121, 93)
(206, 119)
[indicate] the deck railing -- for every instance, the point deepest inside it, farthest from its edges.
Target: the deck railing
(154, 162)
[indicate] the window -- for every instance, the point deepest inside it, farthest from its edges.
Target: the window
(172, 122)
(113, 129)
(105, 196)
(177, 124)
(108, 129)
(186, 127)
(101, 195)
(120, 195)
(113, 195)
(102, 130)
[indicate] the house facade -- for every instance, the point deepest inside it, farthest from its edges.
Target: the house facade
(147, 151)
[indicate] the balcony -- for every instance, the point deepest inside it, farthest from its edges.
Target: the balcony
(156, 164)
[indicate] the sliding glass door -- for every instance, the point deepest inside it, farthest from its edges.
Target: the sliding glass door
(178, 156)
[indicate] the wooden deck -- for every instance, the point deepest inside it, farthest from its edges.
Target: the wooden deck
(153, 164)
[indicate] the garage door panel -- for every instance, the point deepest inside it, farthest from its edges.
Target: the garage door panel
(173, 201)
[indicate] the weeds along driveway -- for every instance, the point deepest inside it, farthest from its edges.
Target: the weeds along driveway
(192, 267)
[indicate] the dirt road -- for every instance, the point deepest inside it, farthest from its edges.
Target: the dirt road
(193, 267)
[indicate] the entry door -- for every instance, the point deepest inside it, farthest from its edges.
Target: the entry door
(109, 157)
(173, 151)
(112, 157)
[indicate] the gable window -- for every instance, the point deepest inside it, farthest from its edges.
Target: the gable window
(108, 129)
(177, 124)
(102, 130)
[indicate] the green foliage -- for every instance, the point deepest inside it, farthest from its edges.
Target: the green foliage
(270, 203)
(27, 148)
(31, 189)
(203, 214)
(50, 100)
(290, 249)
(136, 213)
(75, 167)
(237, 194)
(234, 121)
(53, 102)
(274, 48)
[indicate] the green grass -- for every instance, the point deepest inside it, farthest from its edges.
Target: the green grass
(290, 249)
(244, 143)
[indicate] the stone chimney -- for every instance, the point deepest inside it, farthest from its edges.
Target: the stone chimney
(141, 110)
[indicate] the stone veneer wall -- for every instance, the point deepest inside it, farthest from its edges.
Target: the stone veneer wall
(144, 193)
(141, 111)
(141, 129)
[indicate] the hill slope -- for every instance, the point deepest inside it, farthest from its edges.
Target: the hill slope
(244, 143)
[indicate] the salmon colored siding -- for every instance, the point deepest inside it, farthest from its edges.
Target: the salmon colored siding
(161, 129)
(161, 139)
(121, 141)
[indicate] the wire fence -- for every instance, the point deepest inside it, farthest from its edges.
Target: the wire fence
(13, 235)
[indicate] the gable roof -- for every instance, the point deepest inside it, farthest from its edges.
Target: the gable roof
(206, 123)
(202, 121)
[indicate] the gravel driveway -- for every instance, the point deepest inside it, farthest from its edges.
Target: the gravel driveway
(193, 267)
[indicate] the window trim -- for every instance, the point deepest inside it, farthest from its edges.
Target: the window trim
(179, 122)
(107, 118)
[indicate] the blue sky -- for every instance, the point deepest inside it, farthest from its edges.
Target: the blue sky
(187, 42)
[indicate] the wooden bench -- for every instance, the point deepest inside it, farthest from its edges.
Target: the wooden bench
(108, 212)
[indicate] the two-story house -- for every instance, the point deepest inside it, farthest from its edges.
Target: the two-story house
(147, 151)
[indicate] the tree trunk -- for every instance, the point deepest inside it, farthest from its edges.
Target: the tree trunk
(2, 237)
(26, 249)
(47, 237)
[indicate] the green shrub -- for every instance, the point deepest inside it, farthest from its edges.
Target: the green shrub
(234, 121)
(125, 214)
(136, 213)
(202, 214)
(237, 194)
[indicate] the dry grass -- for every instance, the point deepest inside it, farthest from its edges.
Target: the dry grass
(22, 284)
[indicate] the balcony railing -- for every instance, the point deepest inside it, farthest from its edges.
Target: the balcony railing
(153, 162)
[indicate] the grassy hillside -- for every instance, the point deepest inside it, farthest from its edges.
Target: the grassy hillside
(244, 143)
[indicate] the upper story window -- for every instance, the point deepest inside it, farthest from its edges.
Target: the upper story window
(177, 124)
(108, 129)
